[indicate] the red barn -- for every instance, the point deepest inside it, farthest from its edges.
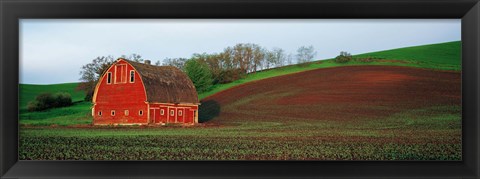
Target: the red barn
(136, 93)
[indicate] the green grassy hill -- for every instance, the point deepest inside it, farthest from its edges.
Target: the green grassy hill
(76, 114)
(437, 56)
(442, 56)
(28, 92)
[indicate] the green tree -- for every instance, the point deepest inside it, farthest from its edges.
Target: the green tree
(213, 61)
(200, 75)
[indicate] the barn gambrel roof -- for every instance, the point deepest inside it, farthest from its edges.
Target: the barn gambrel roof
(165, 84)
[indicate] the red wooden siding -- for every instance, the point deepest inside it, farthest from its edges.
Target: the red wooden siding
(120, 96)
(181, 113)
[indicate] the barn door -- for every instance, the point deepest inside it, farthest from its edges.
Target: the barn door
(163, 114)
(181, 115)
(154, 115)
(172, 117)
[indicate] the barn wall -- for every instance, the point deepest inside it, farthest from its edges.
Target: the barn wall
(187, 113)
(120, 97)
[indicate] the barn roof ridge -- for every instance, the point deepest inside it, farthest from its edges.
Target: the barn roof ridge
(165, 84)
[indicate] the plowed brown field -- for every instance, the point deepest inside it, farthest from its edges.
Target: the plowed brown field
(341, 94)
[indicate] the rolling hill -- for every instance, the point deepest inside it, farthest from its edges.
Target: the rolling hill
(401, 107)
(350, 94)
(442, 56)
(28, 92)
(76, 114)
(446, 56)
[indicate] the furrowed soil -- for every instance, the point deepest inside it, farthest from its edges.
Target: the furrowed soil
(341, 94)
(341, 113)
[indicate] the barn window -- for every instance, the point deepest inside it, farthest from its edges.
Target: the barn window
(172, 112)
(180, 113)
(132, 76)
(162, 112)
(140, 112)
(99, 113)
(113, 112)
(109, 77)
(126, 112)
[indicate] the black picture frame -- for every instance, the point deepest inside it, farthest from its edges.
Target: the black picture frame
(13, 10)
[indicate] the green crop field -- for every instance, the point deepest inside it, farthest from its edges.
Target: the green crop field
(429, 133)
(320, 140)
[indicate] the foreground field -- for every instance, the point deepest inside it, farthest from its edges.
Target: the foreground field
(250, 141)
(342, 113)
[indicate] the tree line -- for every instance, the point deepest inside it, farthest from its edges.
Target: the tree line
(235, 62)
(208, 69)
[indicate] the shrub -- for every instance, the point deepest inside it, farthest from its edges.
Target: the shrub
(344, 57)
(62, 99)
(366, 59)
(227, 76)
(47, 100)
(34, 106)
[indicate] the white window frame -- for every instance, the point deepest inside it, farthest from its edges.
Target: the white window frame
(99, 113)
(131, 79)
(172, 112)
(180, 112)
(112, 112)
(140, 113)
(162, 112)
(126, 112)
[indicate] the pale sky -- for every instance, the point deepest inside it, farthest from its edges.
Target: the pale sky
(54, 50)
